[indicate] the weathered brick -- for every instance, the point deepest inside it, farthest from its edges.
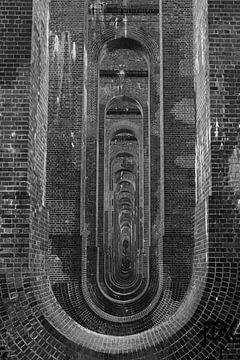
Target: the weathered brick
(49, 141)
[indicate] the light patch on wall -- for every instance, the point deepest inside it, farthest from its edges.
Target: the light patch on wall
(186, 67)
(56, 269)
(57, 61)
(74, 53)
(234, 171)
(200, 42)
(56, 45)
(184, 111)
(85, 62)
(185, 161)
(186, 63)
(203, 44)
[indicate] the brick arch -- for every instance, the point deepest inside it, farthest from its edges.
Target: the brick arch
(146, 45)
(123, 98)
(155, 334)
(94, 55)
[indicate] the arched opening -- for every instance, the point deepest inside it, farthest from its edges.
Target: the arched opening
(121, 147)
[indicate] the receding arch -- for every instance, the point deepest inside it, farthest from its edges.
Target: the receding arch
(123, 100)
(149, 46)
(124, 154)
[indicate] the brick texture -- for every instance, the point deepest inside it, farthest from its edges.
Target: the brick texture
(51, 306)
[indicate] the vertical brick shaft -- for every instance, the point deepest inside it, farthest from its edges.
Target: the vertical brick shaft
(216, 49)
(23, 125)
(224, 204)
(15, 55)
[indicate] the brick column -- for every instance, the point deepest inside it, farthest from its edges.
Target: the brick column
(217, 80)
(23, 125)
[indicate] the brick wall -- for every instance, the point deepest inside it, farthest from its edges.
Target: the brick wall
(14, 124)
(215, 32)
(224, 22)
(37, 323)
(64, 137)
(179, 142)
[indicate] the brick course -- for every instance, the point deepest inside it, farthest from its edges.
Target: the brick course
(40, 215)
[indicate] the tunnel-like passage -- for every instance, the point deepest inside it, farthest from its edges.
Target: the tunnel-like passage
(130, 268)
(125, 273)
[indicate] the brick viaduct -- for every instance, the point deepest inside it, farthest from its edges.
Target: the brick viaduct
(120, 179)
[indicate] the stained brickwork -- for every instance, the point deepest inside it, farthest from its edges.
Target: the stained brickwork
(214, 22)
(40, 215)
(179, 142)
(223, 203)
(64, 138)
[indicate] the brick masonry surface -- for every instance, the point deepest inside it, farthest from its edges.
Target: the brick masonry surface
(44, 52)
